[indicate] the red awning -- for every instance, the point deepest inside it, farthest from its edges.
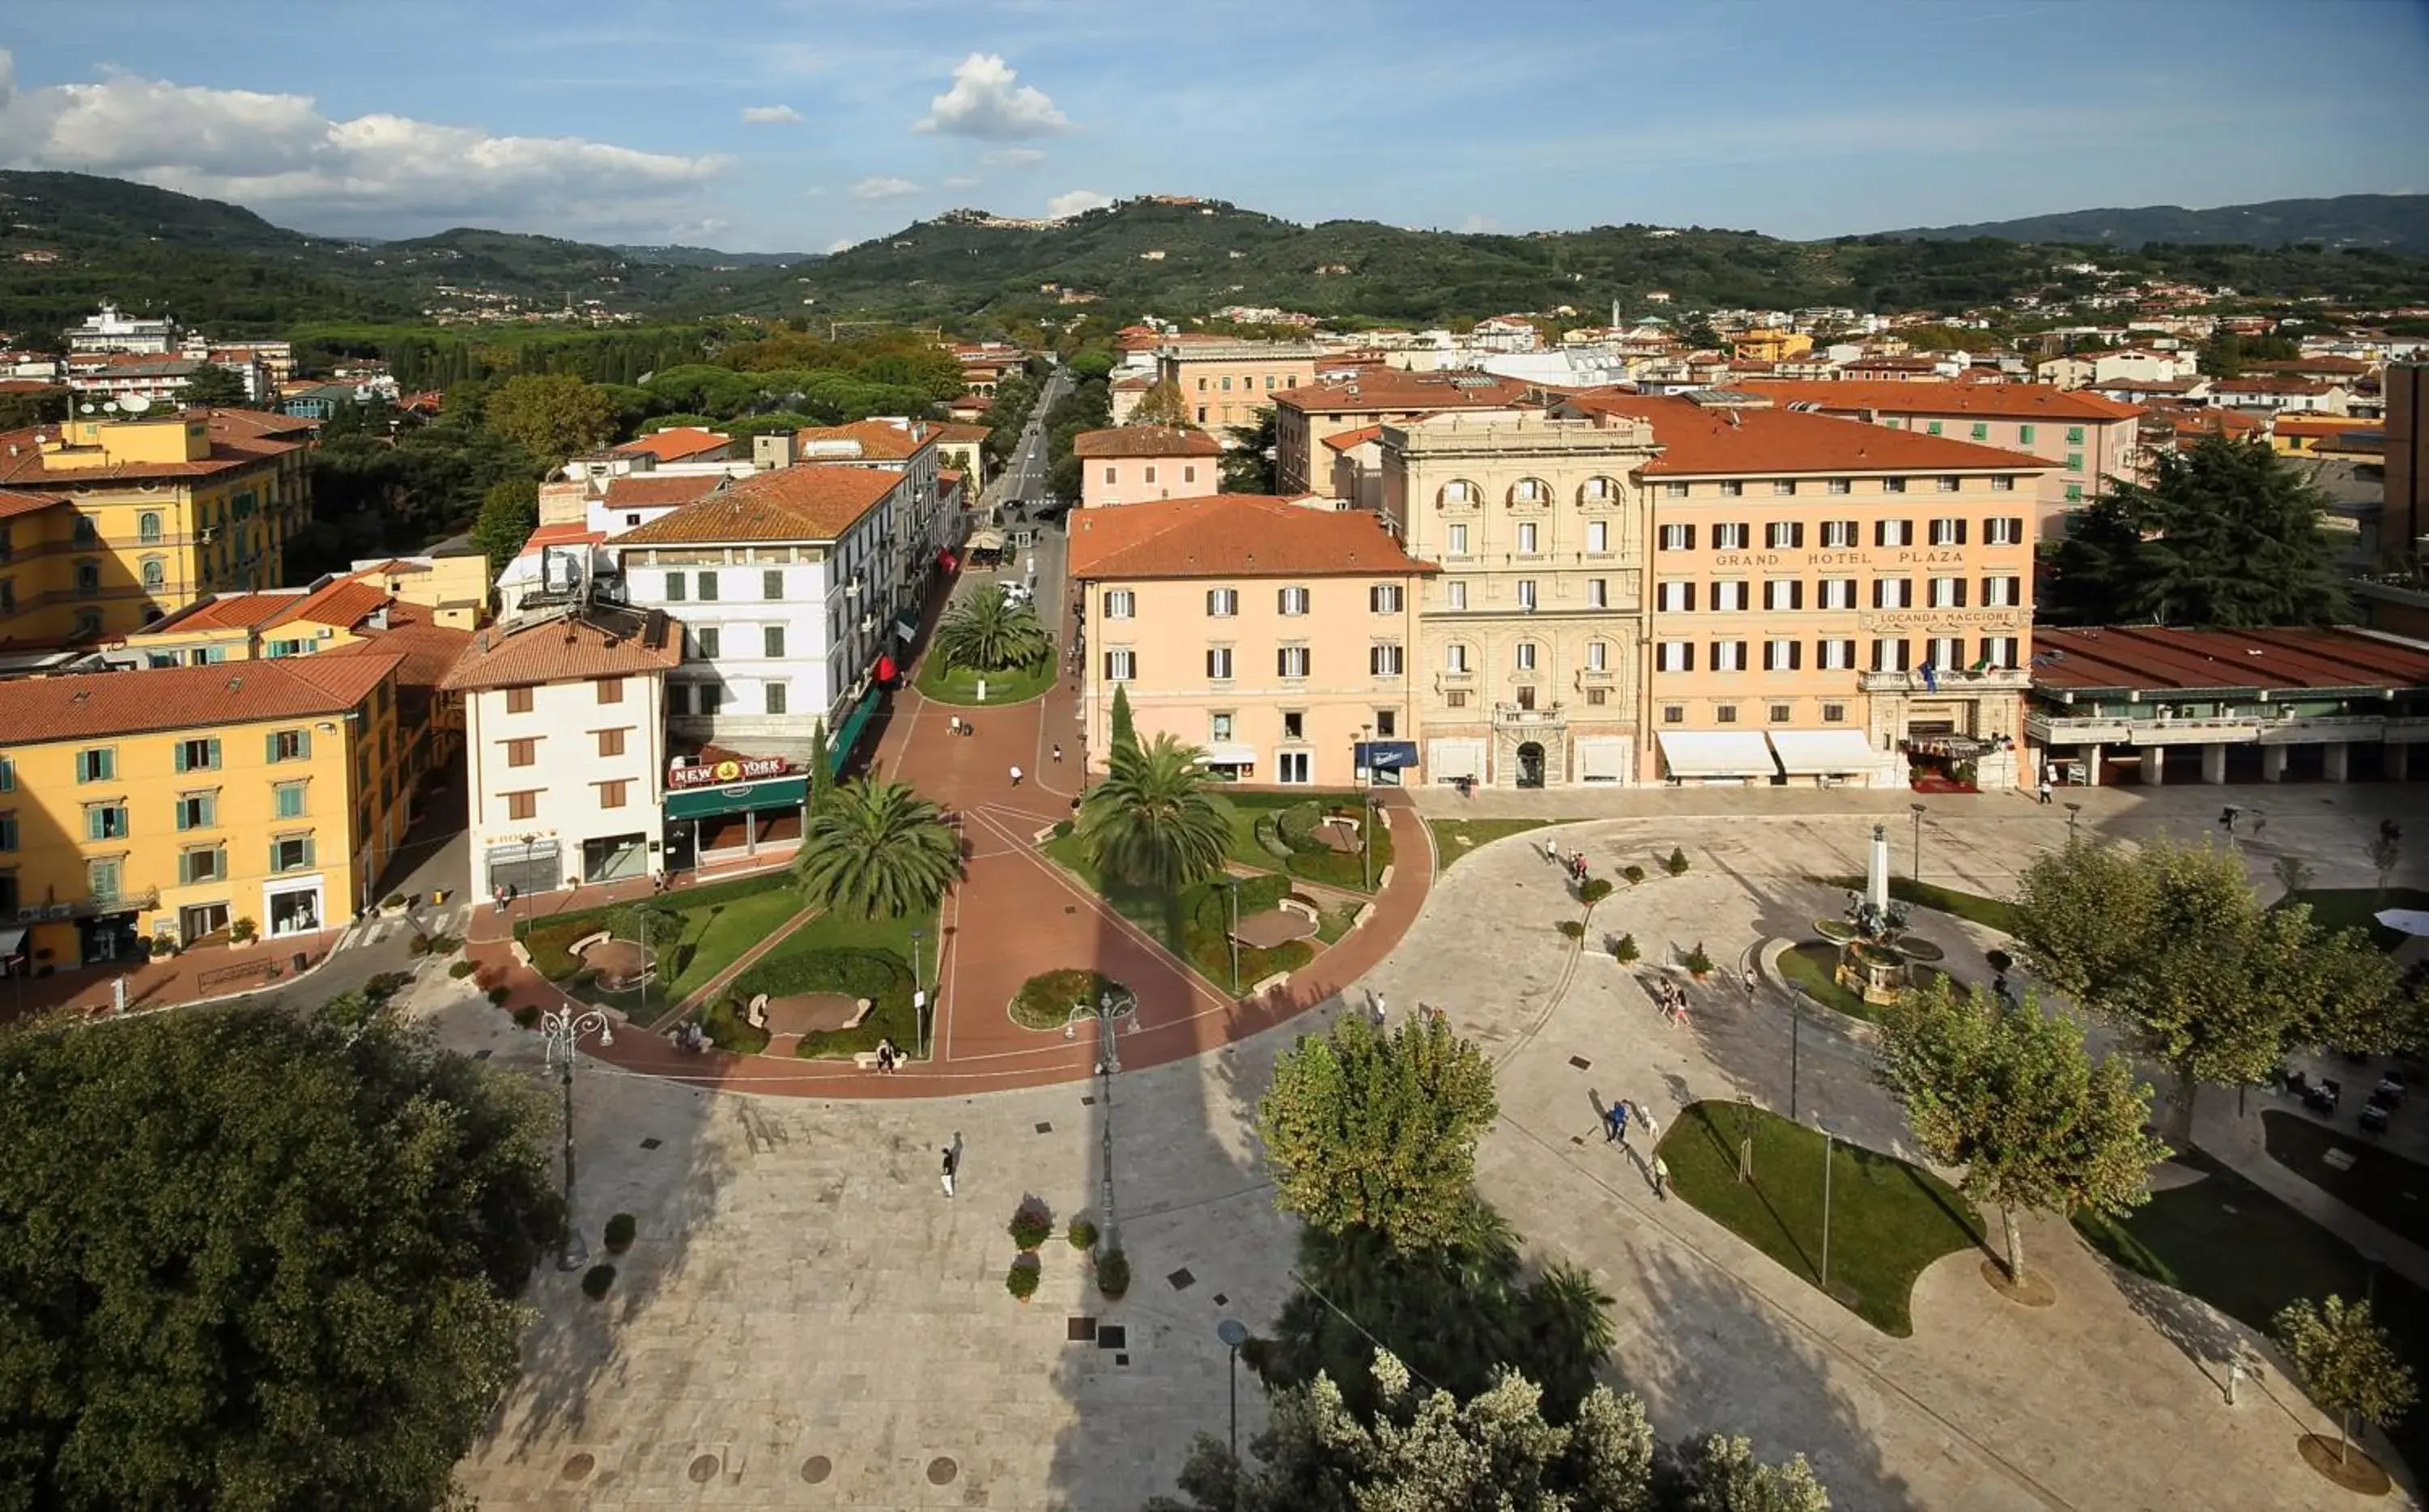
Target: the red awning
(885, 669)
(948, 561)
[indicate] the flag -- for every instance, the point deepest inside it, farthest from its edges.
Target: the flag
(1930, 678)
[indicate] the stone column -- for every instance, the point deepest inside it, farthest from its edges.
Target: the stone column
(2091, 764)
(2338, 759)
(2155, 766)
(2272, 764)
(2394, 761)
(2213, 764)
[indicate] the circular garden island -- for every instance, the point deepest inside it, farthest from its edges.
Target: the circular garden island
(1046, 1001)
(815, 997)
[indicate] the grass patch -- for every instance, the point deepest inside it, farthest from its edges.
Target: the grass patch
(1888, 1220)
(1194, 922)
(1046, 1001)
(719, 921)
(2355, 907)
(1286, 818)
(856, 957)
(1990, 912)
(960, 686)
(1812, 969)
(2381, 1185)
(1454, 838)
(716, 936)
(2238, 1248)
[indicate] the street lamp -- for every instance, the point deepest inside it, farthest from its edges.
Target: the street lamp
(1232, 885)
(1827, 1143)
(919, 993)
(2074, 811)
(1234, 1333)
(1917, 809)
(1366, 811)
(560, 1032)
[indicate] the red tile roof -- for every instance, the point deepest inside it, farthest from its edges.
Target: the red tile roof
(15, 502)
(1697, 441)
(2023, 401)
(1381, 390)
(2151, 659)
(428, 652)
(603, 640)
(86, 705)
(1232, 535)
(227, 455)
(879, 441)
(564, 533)
(675, 443)
(1145, 442)
(955, 431)
(2268, 383)
(1348, 440)
(800, 504)
(648, 490)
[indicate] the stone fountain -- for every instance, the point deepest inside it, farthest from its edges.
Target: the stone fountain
(1876, 955)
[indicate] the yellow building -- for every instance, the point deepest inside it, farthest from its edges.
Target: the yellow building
(107, 525)
(1766, 343)
(178, 802)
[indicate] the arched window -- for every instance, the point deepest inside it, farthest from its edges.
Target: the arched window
(147, 525)
(155, 574)
(1459, 491)
(1599, 491)
(1530, 491)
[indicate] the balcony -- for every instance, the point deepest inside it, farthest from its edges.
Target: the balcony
(1518, 717)
(2233, 730)
(1998, 679)
(130, 900)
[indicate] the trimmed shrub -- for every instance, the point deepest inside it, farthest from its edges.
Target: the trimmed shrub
(1677, 864)
(1046, 1001)
(1061, 829)
(1268, 841)
(620, 1229)
(1113, 1275)
(1634, 872)
(1206, 932)
(1624, 950)
(1031, 1226)
(1083, 1235)
(1572, 929)
(881, 977)
(596, 1280)
(1699, 962)
(1297, 824)
(1021, 1280)
(1594, 890)
(499, 995)
(729, 1027)
(242, 931)
(394, 900)
(462, 969)
(2000, 961)
(526, 1016)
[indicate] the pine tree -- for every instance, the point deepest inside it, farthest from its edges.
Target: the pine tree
(1125, 732)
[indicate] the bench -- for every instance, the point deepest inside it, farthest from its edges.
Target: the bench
(758, 1012)
(861, 1013)
(578, 947)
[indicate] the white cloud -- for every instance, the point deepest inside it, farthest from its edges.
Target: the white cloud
(877, 187)
(1077, 201)
(371, 175)
(961, 181)
(771, 115)
(987, 100)
(1013, 156)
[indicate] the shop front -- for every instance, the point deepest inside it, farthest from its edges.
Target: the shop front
(293, 905)
(614, 857)
(733, 810)
(526, 866)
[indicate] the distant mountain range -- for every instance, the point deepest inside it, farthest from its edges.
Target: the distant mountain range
(2397, 223)
(70, 240)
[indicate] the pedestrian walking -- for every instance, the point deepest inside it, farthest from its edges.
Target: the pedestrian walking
(1662, 1178)
(1552, 850)
(1015, 777)
(1616, 1118)
(950, 1164)
(2045, 785)
(886, 1056)
(1749, 984)
(1374, 1006)
(498, 897)
(1058, 753)
(513, 893)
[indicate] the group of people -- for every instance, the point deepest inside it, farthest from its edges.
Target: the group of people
(1574, 862)
(1670, 998)
(1615, 1120)
(889, 1059)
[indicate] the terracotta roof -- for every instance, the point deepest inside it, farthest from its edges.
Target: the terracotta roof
(1231, 535)
(16, 501)
(880, 440)
(1131, 380)
(801, 503)
(428, 652)
(602, 640)
(2023, 402)
(2268, 383)
(1145, 442)
(675, 443)
(2309, 424)
(564, 533)
(955, 431)
(259, 426)
(648, 490)
(187, 698)
(2188, 420)
(227, 455)
(1697, 441)
(1348, 440)
(2151, 659)
(1389, 388)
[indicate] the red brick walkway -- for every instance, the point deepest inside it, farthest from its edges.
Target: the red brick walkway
(1017, 914)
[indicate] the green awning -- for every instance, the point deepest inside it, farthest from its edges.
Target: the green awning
(746, 797)
(839, 748)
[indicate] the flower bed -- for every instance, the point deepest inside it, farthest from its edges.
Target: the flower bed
(1046, 1001)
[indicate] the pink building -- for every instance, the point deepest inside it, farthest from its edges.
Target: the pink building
(1132, 463)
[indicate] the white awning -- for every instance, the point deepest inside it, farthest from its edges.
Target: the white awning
(1824, 752)
(1227, 753)
(1716, 753)
(1601, 759)
(1449, 758)
(12, 941)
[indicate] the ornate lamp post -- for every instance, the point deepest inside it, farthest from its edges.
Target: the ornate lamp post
(560, 1032)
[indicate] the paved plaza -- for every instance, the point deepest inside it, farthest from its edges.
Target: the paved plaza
(807, 1321)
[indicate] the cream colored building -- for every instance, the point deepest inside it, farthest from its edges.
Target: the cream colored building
(1130, 462)
(1226, 382)
(1271, 634)
(1529, 660)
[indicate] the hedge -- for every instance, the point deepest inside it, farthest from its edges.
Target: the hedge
(729, 1027)
(884, 979)
(1206, 932)
(1046, 1001)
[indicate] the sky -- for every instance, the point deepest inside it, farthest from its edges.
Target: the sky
(805, 125)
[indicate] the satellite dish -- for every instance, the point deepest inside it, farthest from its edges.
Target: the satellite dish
(134, 403)
(110, 404)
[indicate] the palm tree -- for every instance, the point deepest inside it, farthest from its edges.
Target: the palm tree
(1152, 821)
(878, 849)
(987, 632)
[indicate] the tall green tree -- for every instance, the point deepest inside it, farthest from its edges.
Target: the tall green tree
(553, 415)
(284, 1275)
(986, 631)
(509, 514)
(1163, 405)
(2227, 534)
(2346, 1362)
(1379, 1130)
(822, 767)
(1125, 729)
(212, 386)
(2009, 1093)
(1247, 464)
(1154, 821)
(2170, 944)
(879, 850)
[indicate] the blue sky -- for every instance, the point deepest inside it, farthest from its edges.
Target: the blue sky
(798, 124)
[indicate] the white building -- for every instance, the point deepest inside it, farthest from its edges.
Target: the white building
(2141, 365)
(781, 579)
(564, 746)
(111, 331)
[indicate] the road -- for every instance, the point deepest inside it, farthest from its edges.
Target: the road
(1024, 476)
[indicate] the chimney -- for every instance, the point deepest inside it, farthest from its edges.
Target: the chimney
(772, 450)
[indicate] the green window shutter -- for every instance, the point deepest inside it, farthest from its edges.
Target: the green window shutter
(1935, 427)
(311, 848)
(181, 756)
(273, 857)
(215, 753)
(304, 744)
(269, 746)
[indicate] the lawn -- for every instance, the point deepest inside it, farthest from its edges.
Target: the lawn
(2238, 1248)
(1454, 838)
(959, 684)
(1312, 863)
(1888, 1220)
(1990, 912)
(2379, 1184)
(860, 957)
(1193, 923)
(2349, 908)
(719, 921)
(1812, 968)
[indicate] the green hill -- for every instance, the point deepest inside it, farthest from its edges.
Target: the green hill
(2396, 223)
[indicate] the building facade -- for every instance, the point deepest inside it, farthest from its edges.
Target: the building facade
(1226, 382)
(565, 746)
(1273, 636)
(1130, 462)
(176, 803)
(1305, 418)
